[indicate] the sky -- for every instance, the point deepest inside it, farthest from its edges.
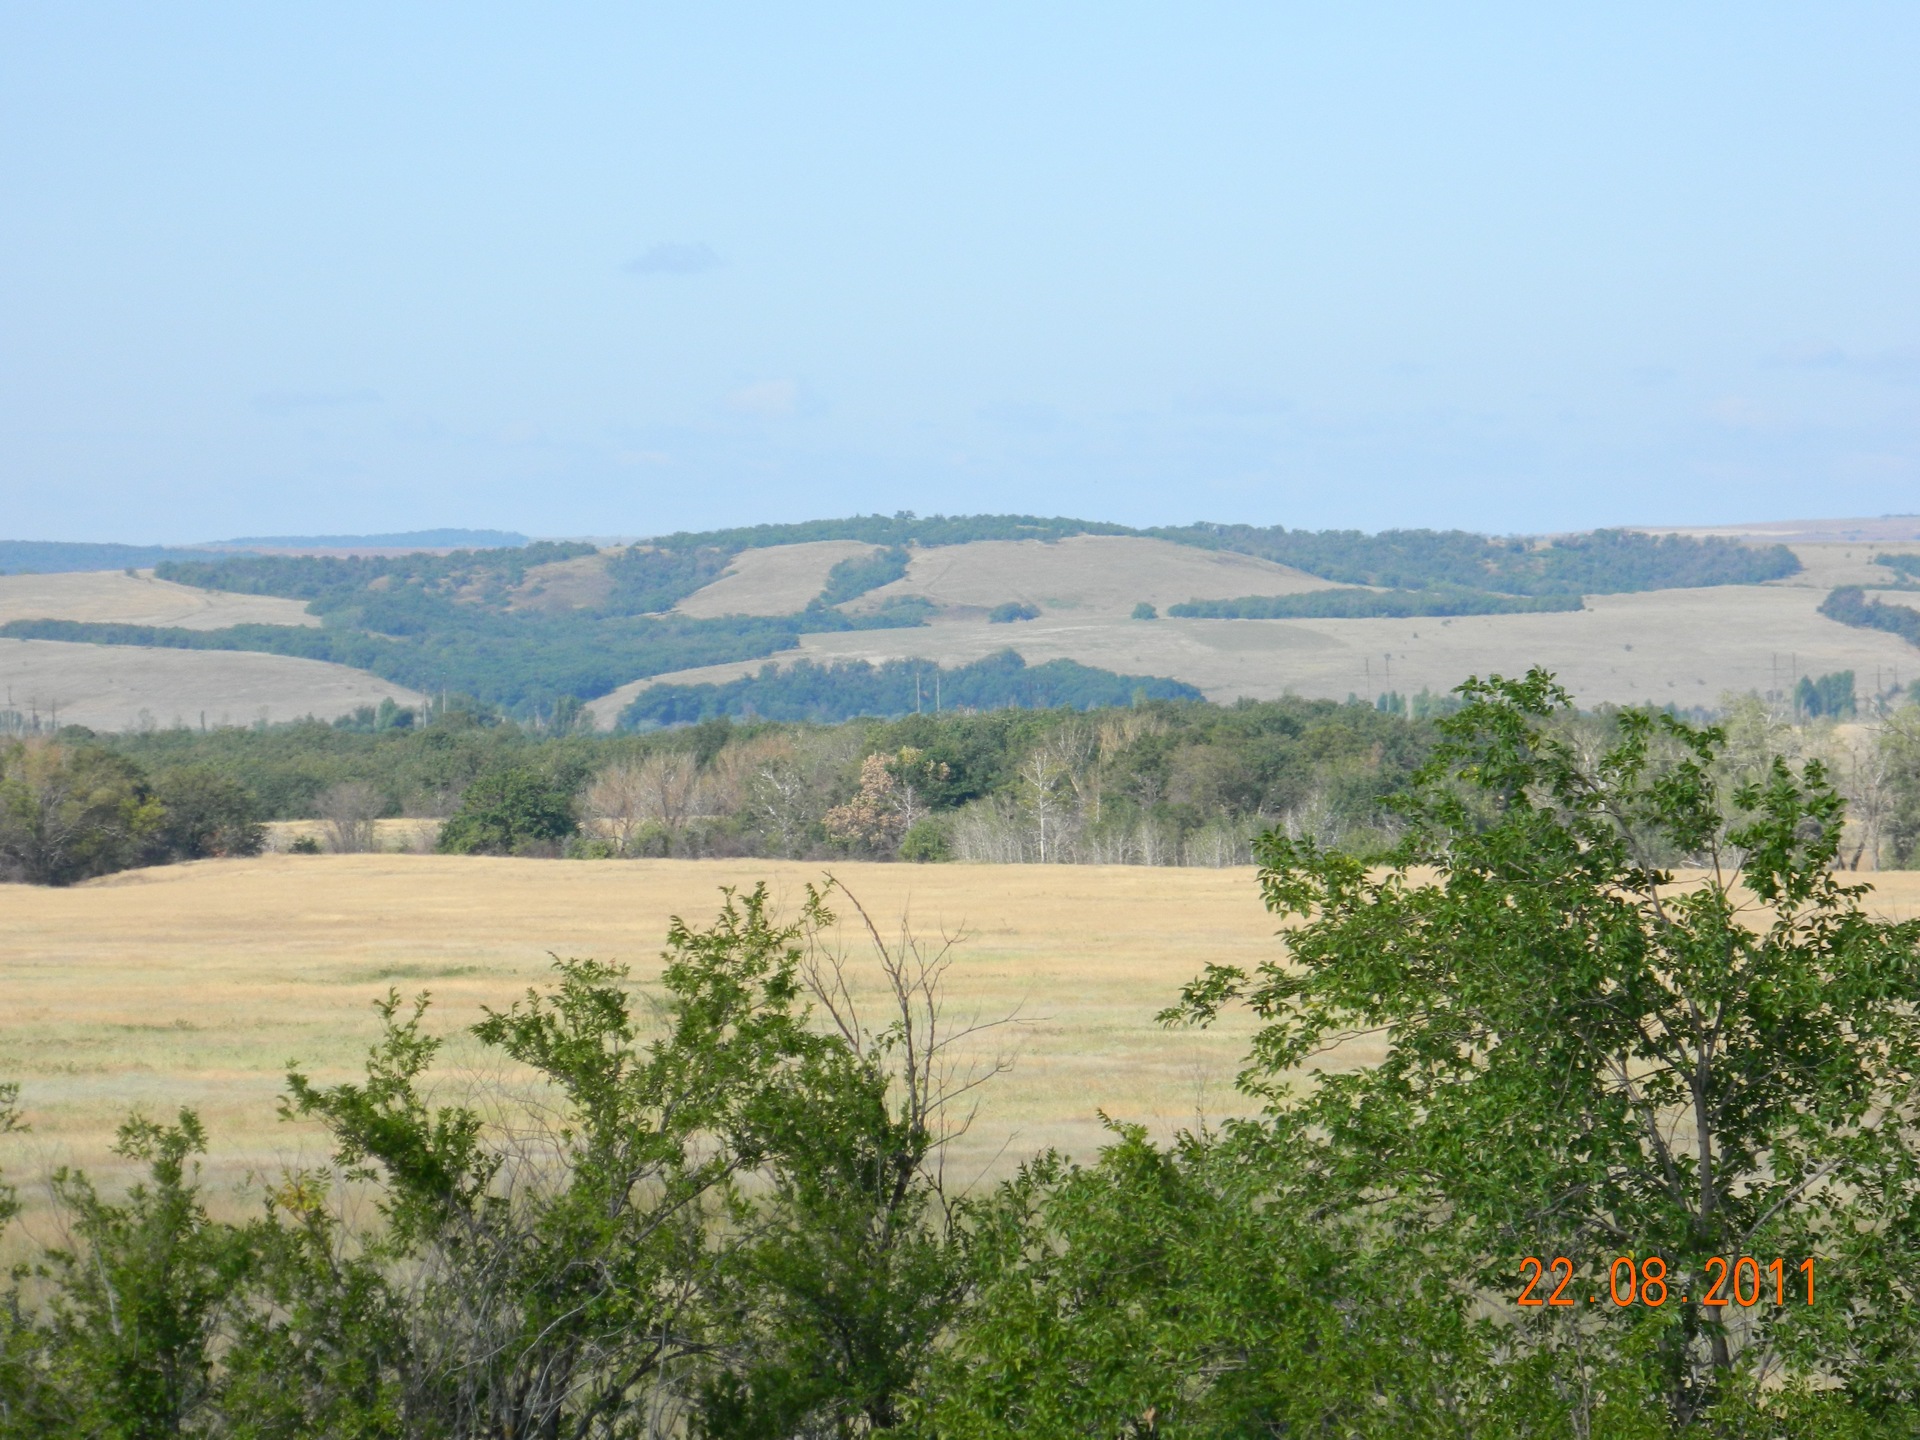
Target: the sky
(619, 270)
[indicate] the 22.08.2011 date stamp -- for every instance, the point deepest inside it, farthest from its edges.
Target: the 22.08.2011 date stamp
(1744, 1282)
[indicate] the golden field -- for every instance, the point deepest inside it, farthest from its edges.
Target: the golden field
(198, 984)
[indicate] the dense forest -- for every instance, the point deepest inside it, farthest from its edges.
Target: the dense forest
(1355, 604)
(806, 691)
(717, 1206)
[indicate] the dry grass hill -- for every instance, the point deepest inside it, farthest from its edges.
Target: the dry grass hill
(111, 596)
(1685, 646)
(131, 687)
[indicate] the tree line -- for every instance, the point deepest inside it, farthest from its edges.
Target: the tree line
(715, 1207)
(1152, 782)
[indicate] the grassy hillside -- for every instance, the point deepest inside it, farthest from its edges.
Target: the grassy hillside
(533, 628)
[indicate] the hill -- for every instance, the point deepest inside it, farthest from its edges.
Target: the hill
(535, 628)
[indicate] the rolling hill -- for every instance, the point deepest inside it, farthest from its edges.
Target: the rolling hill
(1627, 617)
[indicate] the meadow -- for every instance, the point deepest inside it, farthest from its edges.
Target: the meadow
(199, 984)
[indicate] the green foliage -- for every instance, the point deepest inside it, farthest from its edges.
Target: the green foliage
(331, 580)
(204, 814)
(1353, 604)
(825, 693)
(1905, 566)
(902, 529)
(647, 580)
(513, 811)
(1603, 562)
(926, 842)
(858, 574)
(70, 812)
(1850, 606)
(1010, 611)
(1587, 1058)
(1831, 696)
(1145, 611)
(138, 1295)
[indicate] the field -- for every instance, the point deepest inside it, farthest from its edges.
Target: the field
(776, 580)
(131, 687)
(1684, 646)
(198, 984)
(110, 596)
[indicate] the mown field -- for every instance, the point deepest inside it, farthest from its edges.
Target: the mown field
(198, 984)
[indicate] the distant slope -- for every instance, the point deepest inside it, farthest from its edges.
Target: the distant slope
(525, 626)
(110, 597)
(398, 540)
(53, 557)
(774, 580)
(1601, 562)
(117, 687)
(1083, 575)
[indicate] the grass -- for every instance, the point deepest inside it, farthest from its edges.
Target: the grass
(199, 984)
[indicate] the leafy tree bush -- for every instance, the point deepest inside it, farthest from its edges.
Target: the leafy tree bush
(1587, 1056)
(1351, 604)
(1145, 611)
(1012, 610)
(204, 814)
(825, 693)
(857, 575)
(510, 812)
(70, 812)
(1829, 697)
(1850, 606)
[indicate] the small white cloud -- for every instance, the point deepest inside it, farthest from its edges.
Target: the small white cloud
(769, 399)
(676, 257)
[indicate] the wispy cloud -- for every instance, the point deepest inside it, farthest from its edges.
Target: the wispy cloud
(676, 257)
(280, 402)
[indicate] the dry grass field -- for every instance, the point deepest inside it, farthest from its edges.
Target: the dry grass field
(126, 687)
(1087, 575)
(775, 580)
(113, 597)
(197, 984)
(1685, 646)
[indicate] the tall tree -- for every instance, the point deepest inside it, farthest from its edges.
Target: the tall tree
(1592, 1052)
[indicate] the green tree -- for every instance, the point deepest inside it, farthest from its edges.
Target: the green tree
(204, 814)
(68, 812)
(1589, 1055)
(512, 811)
(127, 1347)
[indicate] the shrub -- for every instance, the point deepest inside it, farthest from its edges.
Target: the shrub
(1145, 611)
(205, 814)
(71, 812)
(927, 842)
(514, 811)
(1013, 610)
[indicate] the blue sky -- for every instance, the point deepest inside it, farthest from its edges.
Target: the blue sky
(624, 269)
